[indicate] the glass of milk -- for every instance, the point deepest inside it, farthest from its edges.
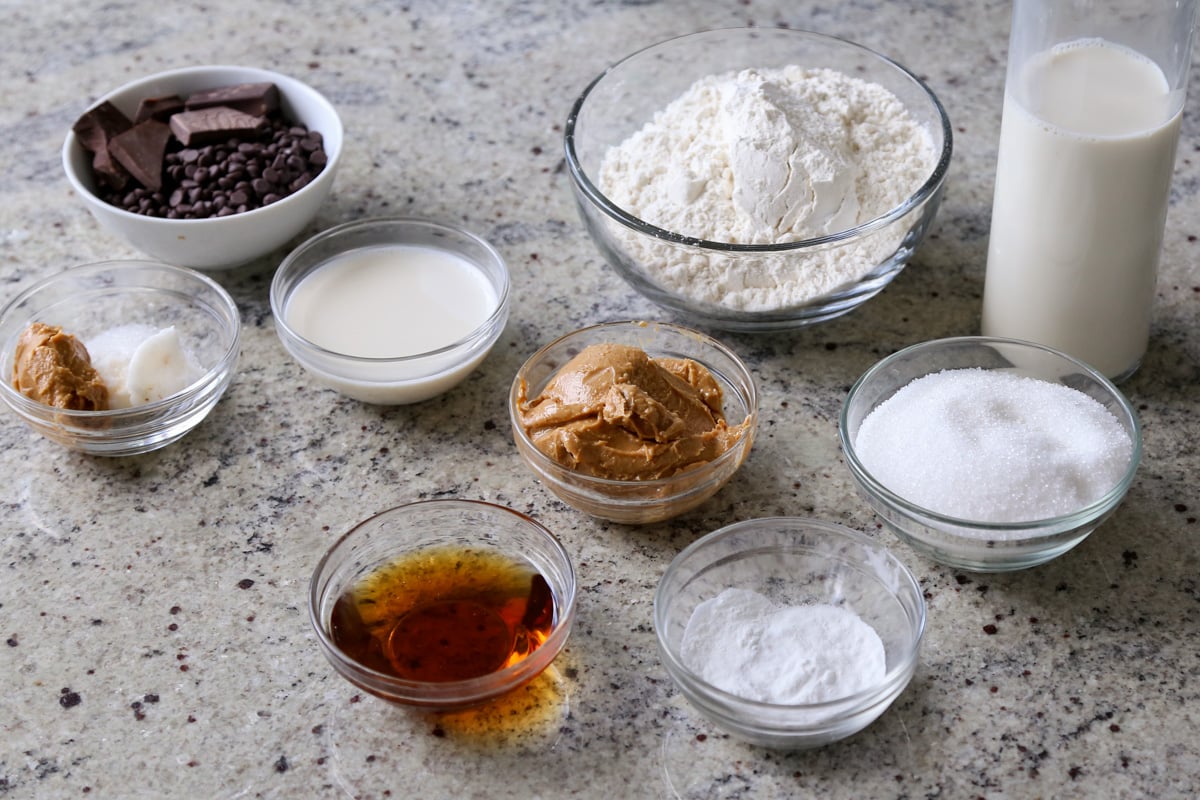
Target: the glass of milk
(1092, 105)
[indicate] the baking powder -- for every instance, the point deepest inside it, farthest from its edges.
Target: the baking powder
(767, 157)
(743, 643)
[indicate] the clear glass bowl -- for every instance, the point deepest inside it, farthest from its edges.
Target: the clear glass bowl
(628, 94)
(391, 381)
(216, 243)
(968, 544)
(411, 528)
(793, 562)
(90, 299)
(639, 502)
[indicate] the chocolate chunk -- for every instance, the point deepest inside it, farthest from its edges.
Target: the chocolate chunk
(141, 149)
(256, 99)
(214, 124)
(95, 129)
(159, 108)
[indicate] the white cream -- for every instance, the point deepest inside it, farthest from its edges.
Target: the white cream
(392, 302)
(142, 364)
(1087, 148)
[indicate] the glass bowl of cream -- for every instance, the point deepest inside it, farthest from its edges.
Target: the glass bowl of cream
(757, 179)
(789, 633)
(989, 454)
(391, 311)
(633, 421)
(118, 357)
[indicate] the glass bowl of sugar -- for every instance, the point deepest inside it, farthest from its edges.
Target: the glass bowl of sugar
(789, 633)
(391, 311)
(989, 454)
(757, 179)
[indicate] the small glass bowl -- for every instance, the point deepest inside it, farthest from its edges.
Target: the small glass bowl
(968, 544)
(429, 524)
(216, 243)
(793, 562)
(628, 94)
(391, 381)
(639, 502)
(90, 299)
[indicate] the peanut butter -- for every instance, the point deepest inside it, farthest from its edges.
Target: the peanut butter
(614, 412)
(54, 368)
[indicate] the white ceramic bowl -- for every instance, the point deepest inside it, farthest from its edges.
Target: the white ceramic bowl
(399, 380)
(793, 562)
(628, 94)
(218, 242)
(90, 299)
(973, 544)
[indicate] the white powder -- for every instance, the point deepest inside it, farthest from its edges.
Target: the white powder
(141, 364)
(766, 157)
(992, 446)
(741, 642)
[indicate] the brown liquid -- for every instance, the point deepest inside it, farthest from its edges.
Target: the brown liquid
(444, 614)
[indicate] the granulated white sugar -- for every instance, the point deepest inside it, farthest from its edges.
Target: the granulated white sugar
(991, 446)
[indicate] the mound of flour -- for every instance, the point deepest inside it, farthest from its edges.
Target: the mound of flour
(765, 157)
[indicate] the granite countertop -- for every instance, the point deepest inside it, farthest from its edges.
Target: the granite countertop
(153, 609)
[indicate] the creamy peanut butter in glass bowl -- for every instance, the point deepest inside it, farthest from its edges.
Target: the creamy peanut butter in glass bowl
(638, 494)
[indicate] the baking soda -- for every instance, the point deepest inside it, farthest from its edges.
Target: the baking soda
(743, 643)
(991, 446)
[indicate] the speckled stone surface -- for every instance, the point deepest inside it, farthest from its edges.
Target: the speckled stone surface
(154, 634)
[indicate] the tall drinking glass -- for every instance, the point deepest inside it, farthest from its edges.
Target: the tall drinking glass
(1093, 99)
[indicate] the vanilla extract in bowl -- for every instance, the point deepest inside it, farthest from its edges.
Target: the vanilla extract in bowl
(444, 614)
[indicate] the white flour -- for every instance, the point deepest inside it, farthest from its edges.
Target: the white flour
(766, 157)
(743, 643)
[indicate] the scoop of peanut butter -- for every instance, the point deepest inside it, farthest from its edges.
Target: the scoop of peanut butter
(614, 412)
(54, 368)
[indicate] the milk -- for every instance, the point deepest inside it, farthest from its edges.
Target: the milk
(391, 302)
(404, 314)
(1087, 146)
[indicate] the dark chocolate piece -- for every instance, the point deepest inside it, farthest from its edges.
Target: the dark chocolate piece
(159, 108)
(256, 99)
(141, 149)
(95, 129)
(214, 124)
